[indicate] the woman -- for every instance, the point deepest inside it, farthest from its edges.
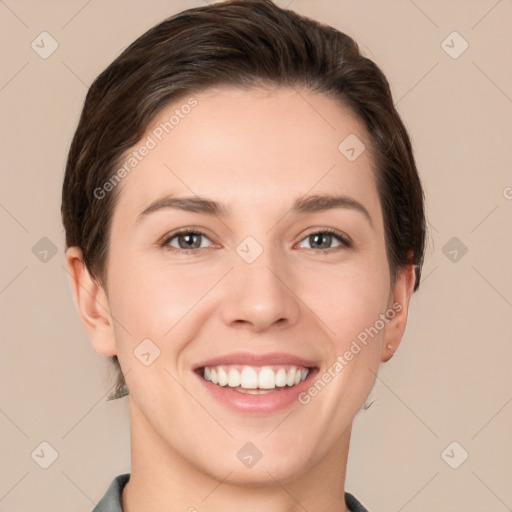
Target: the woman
(244, 228)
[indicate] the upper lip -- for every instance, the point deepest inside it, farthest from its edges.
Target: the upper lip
(246, 358)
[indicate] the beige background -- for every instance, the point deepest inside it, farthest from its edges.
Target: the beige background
(451, 379)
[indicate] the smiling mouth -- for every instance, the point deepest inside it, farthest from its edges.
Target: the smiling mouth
(255, 380)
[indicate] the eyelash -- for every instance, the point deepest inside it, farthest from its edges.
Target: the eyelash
(343, 239)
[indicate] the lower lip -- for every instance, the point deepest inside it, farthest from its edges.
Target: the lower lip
(259, 404)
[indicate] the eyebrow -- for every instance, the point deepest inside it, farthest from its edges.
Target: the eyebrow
(309, 204)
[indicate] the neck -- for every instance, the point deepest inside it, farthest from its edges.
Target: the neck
(161, 479)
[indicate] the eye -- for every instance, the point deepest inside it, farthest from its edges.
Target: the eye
(187, 240)
(323, 239)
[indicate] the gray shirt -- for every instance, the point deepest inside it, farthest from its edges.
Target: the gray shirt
(111, 502)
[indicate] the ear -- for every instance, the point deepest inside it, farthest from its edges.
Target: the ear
(399, 303)
(92, 303)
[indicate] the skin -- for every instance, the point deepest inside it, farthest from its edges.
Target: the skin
(255, 151)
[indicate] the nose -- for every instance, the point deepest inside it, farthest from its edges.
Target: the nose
(260, 294)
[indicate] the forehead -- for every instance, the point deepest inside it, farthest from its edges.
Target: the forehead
(249, 148)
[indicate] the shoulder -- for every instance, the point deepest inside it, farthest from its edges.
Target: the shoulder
(111, 501)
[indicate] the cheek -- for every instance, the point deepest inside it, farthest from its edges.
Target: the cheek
(158, 300)
(348, 299)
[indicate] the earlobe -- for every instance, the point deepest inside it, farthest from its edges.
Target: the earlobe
(92, 303)
(399, 303)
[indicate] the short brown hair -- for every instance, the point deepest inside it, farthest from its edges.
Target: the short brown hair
(242, 43)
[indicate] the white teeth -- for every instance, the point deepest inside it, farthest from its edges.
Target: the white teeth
(280, 378)
(290, 378)
(251, 379)
(266, 378)
(248, 378)
(233, 378)
(223, 376)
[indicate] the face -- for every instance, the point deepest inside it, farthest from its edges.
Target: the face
(281, 300)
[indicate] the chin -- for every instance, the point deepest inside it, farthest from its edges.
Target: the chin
(261, 475)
